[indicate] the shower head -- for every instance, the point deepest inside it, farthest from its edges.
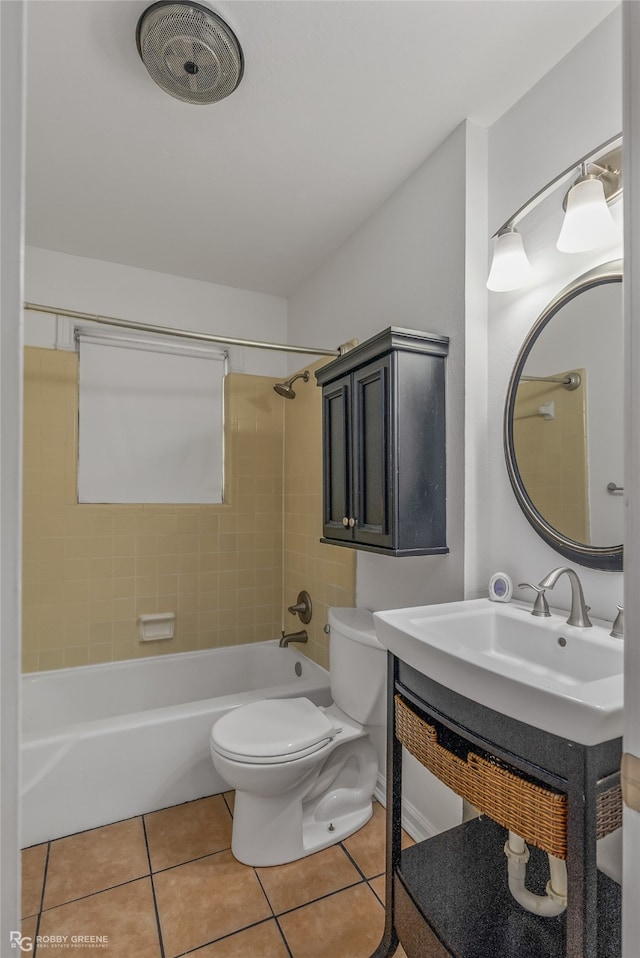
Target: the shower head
(285, 389)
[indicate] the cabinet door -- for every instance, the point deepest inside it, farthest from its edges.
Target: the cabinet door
(373, 454)
(337, 459)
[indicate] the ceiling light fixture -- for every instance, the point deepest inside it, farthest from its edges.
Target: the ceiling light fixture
(588, 223)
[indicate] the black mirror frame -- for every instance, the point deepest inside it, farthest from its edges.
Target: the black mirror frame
(604, 558)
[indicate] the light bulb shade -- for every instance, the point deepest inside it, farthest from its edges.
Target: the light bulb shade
(588, 223)
(510, 268)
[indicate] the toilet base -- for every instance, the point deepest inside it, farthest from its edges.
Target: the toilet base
(288, 810)
(287, 841)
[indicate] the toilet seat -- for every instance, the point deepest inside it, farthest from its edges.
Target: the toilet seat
(273, 731)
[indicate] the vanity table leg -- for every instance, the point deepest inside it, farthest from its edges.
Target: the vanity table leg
(389, 942)
(582, 874)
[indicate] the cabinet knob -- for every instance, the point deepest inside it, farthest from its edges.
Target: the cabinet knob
(352, 523)
(345, 521)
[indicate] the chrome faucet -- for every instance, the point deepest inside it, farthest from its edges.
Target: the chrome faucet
(540, 604)
(579, 615)
(617, 632)
(300, 636)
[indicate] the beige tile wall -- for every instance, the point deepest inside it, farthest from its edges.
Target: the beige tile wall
(552, 454)
(91, 570)
(326, 572)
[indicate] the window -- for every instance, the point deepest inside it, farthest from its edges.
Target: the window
(150, 420)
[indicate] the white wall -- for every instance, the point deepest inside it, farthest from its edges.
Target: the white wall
(125, 292)
(476, 528)
(572, 110)
(576, 106)
(405, 267)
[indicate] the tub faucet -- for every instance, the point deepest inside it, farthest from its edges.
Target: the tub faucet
(579, 615)
(300, 636)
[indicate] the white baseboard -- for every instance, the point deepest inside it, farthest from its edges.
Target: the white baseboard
(413, 821)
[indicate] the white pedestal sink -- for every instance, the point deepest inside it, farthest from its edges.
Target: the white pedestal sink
(553, 676)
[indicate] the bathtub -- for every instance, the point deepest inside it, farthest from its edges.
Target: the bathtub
(105, 742)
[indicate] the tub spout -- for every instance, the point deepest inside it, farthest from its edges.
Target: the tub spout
(300, 636)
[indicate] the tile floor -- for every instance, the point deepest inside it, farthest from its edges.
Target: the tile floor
(166, 884)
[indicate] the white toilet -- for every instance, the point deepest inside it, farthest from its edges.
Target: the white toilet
(304, 776)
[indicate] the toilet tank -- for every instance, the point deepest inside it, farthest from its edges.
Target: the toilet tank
(358, 666)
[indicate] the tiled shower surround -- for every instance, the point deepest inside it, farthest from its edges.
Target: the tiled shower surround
(228, 571)
(326, 572)
(552, 454)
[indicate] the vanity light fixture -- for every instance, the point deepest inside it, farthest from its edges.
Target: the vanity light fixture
(588, 223)
(510, 268)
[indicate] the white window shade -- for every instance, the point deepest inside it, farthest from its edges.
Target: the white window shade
(150, 421)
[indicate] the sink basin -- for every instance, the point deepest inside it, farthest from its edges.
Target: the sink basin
(551, 675)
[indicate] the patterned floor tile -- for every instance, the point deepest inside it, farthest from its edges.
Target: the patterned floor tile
(92, 861)
(124, 916)
(184, 832)
(348, 924)
(207, 899)
(288, 886)
(33, 863)
(261, 941)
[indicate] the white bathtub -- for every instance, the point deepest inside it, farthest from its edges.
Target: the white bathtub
(105, 742)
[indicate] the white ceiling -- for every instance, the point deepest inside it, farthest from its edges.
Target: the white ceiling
(340, 101)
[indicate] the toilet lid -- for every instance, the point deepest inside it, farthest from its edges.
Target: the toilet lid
(273, 730)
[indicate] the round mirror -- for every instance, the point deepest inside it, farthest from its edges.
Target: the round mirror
(564, 420)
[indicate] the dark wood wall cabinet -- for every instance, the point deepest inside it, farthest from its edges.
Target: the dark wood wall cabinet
(384, 461)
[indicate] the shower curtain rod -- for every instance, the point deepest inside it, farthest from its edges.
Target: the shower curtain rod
(570, 381)
(184, 333)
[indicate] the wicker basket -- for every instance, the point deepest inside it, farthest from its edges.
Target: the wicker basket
(534, 812)
(608, 811)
